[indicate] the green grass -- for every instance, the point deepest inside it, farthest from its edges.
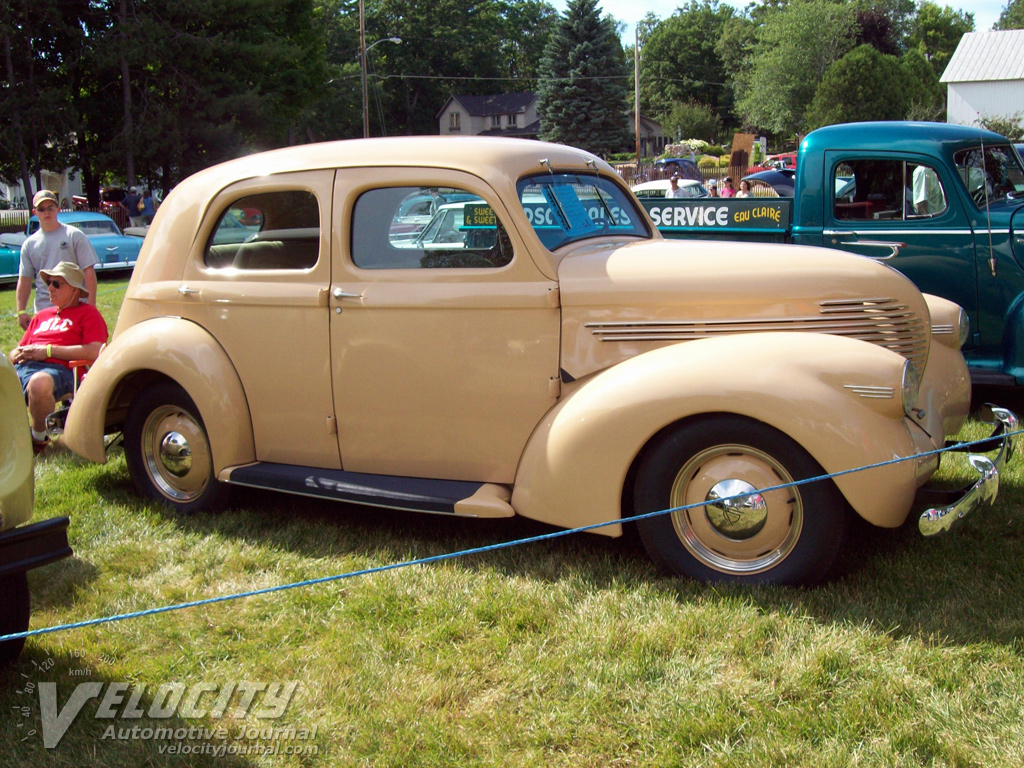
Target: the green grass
(568, 652)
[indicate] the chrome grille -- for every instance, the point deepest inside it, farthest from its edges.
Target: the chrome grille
(884, 322)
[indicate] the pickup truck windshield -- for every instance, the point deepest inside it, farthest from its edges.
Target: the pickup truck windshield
(992, 174)
(567, 207)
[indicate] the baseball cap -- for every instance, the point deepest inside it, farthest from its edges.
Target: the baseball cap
(43, 195)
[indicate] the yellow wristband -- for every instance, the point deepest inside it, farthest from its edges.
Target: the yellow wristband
(49, 350)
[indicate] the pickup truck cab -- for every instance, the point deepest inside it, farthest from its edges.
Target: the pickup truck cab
(560, 360)
(943, 204)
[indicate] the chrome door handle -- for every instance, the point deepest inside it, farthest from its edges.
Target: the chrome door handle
(184, 290)
(894, 247)
(340, 294)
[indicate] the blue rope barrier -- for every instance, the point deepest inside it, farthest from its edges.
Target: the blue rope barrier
(476, 550)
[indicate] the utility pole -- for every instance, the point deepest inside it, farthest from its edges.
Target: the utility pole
(636, 89)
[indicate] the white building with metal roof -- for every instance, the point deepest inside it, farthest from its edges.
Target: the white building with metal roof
(985, 77)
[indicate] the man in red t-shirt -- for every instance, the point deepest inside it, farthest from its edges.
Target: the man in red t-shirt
(69, 330)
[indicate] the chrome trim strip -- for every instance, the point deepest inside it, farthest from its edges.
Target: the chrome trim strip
(871, 392)
(945, 329)
(921, 231)
(985, 489)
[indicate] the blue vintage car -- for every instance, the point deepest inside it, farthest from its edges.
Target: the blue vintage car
(114, 249)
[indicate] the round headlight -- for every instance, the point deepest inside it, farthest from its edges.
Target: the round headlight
(963, 327)
(911, 386)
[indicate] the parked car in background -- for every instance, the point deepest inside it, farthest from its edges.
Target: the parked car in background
(561, 360)
(114, 249)
(660, 187)
(110, 197)
(666, 166)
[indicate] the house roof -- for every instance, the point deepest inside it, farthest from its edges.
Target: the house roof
(497, 104)
(984, 56)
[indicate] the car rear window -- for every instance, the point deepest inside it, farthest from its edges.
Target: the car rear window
(271, 230)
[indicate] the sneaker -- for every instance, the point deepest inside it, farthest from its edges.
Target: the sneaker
(38, 446)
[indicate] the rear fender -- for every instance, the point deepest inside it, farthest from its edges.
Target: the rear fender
(574, 468)
(171, 348)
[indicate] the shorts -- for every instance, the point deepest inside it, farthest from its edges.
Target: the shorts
(63, 378)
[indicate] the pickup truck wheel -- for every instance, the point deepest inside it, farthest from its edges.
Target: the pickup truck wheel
(788, 536)
(14, 611)
(168, 451)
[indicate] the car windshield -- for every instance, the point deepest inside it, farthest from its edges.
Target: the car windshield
(568, 207)
(992, 174)
(96, 227)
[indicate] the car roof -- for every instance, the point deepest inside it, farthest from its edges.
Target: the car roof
(664, 184)
(896, 135)
(71, 217)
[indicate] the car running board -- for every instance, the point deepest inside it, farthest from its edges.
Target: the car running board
(415, 494)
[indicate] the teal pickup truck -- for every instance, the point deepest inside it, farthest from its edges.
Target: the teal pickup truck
(943, 204)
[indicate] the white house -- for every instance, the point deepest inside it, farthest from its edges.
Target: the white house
(515, 114)
(985, 77)
(505, 114)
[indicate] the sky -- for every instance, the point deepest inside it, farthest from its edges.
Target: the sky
(986, 12)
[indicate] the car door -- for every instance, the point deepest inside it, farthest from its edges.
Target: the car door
(903, 210)
(263, 297)
(443, 358)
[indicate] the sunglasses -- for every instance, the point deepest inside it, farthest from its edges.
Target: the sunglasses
(46, 209)
(56, 283)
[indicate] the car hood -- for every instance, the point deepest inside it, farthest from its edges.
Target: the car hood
(619, 301)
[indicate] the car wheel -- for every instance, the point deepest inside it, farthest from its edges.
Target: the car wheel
(788, 536)
(14, 611)
(168, 451)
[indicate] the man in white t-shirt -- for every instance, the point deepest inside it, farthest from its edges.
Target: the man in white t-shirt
(51, 244)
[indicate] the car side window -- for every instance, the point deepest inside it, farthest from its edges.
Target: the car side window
(884, 190)
(271, 230)
(427, 228)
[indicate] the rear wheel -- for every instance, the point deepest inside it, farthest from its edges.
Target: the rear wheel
(787, 536)
(14, 612)
(168, 451)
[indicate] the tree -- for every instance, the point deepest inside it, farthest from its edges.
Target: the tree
(1010, 126)
(691, 119)
(937, 32)
(681, 63)
(863, 85)
(582, 96)
(925, 97)
(1012, 16)
(795, 47)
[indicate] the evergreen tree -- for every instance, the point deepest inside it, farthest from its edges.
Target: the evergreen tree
(583, 93)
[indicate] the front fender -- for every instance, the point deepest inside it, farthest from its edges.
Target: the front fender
(178, 350)
(574, 467)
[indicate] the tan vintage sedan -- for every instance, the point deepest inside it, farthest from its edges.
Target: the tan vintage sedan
(549, 356)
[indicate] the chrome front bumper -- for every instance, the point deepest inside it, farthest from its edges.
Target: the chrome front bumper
(984, 491)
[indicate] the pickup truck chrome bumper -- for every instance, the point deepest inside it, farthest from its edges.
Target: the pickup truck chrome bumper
(984, 491)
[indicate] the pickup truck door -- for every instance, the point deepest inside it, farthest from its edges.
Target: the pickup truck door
(444, 336)
(904, 210)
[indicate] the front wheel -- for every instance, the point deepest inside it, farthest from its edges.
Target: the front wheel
(168, 451)
(787, 536)
(14, 611)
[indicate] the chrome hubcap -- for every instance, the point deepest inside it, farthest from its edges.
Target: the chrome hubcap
(176, 453)
(740, 517)
(750, 533)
